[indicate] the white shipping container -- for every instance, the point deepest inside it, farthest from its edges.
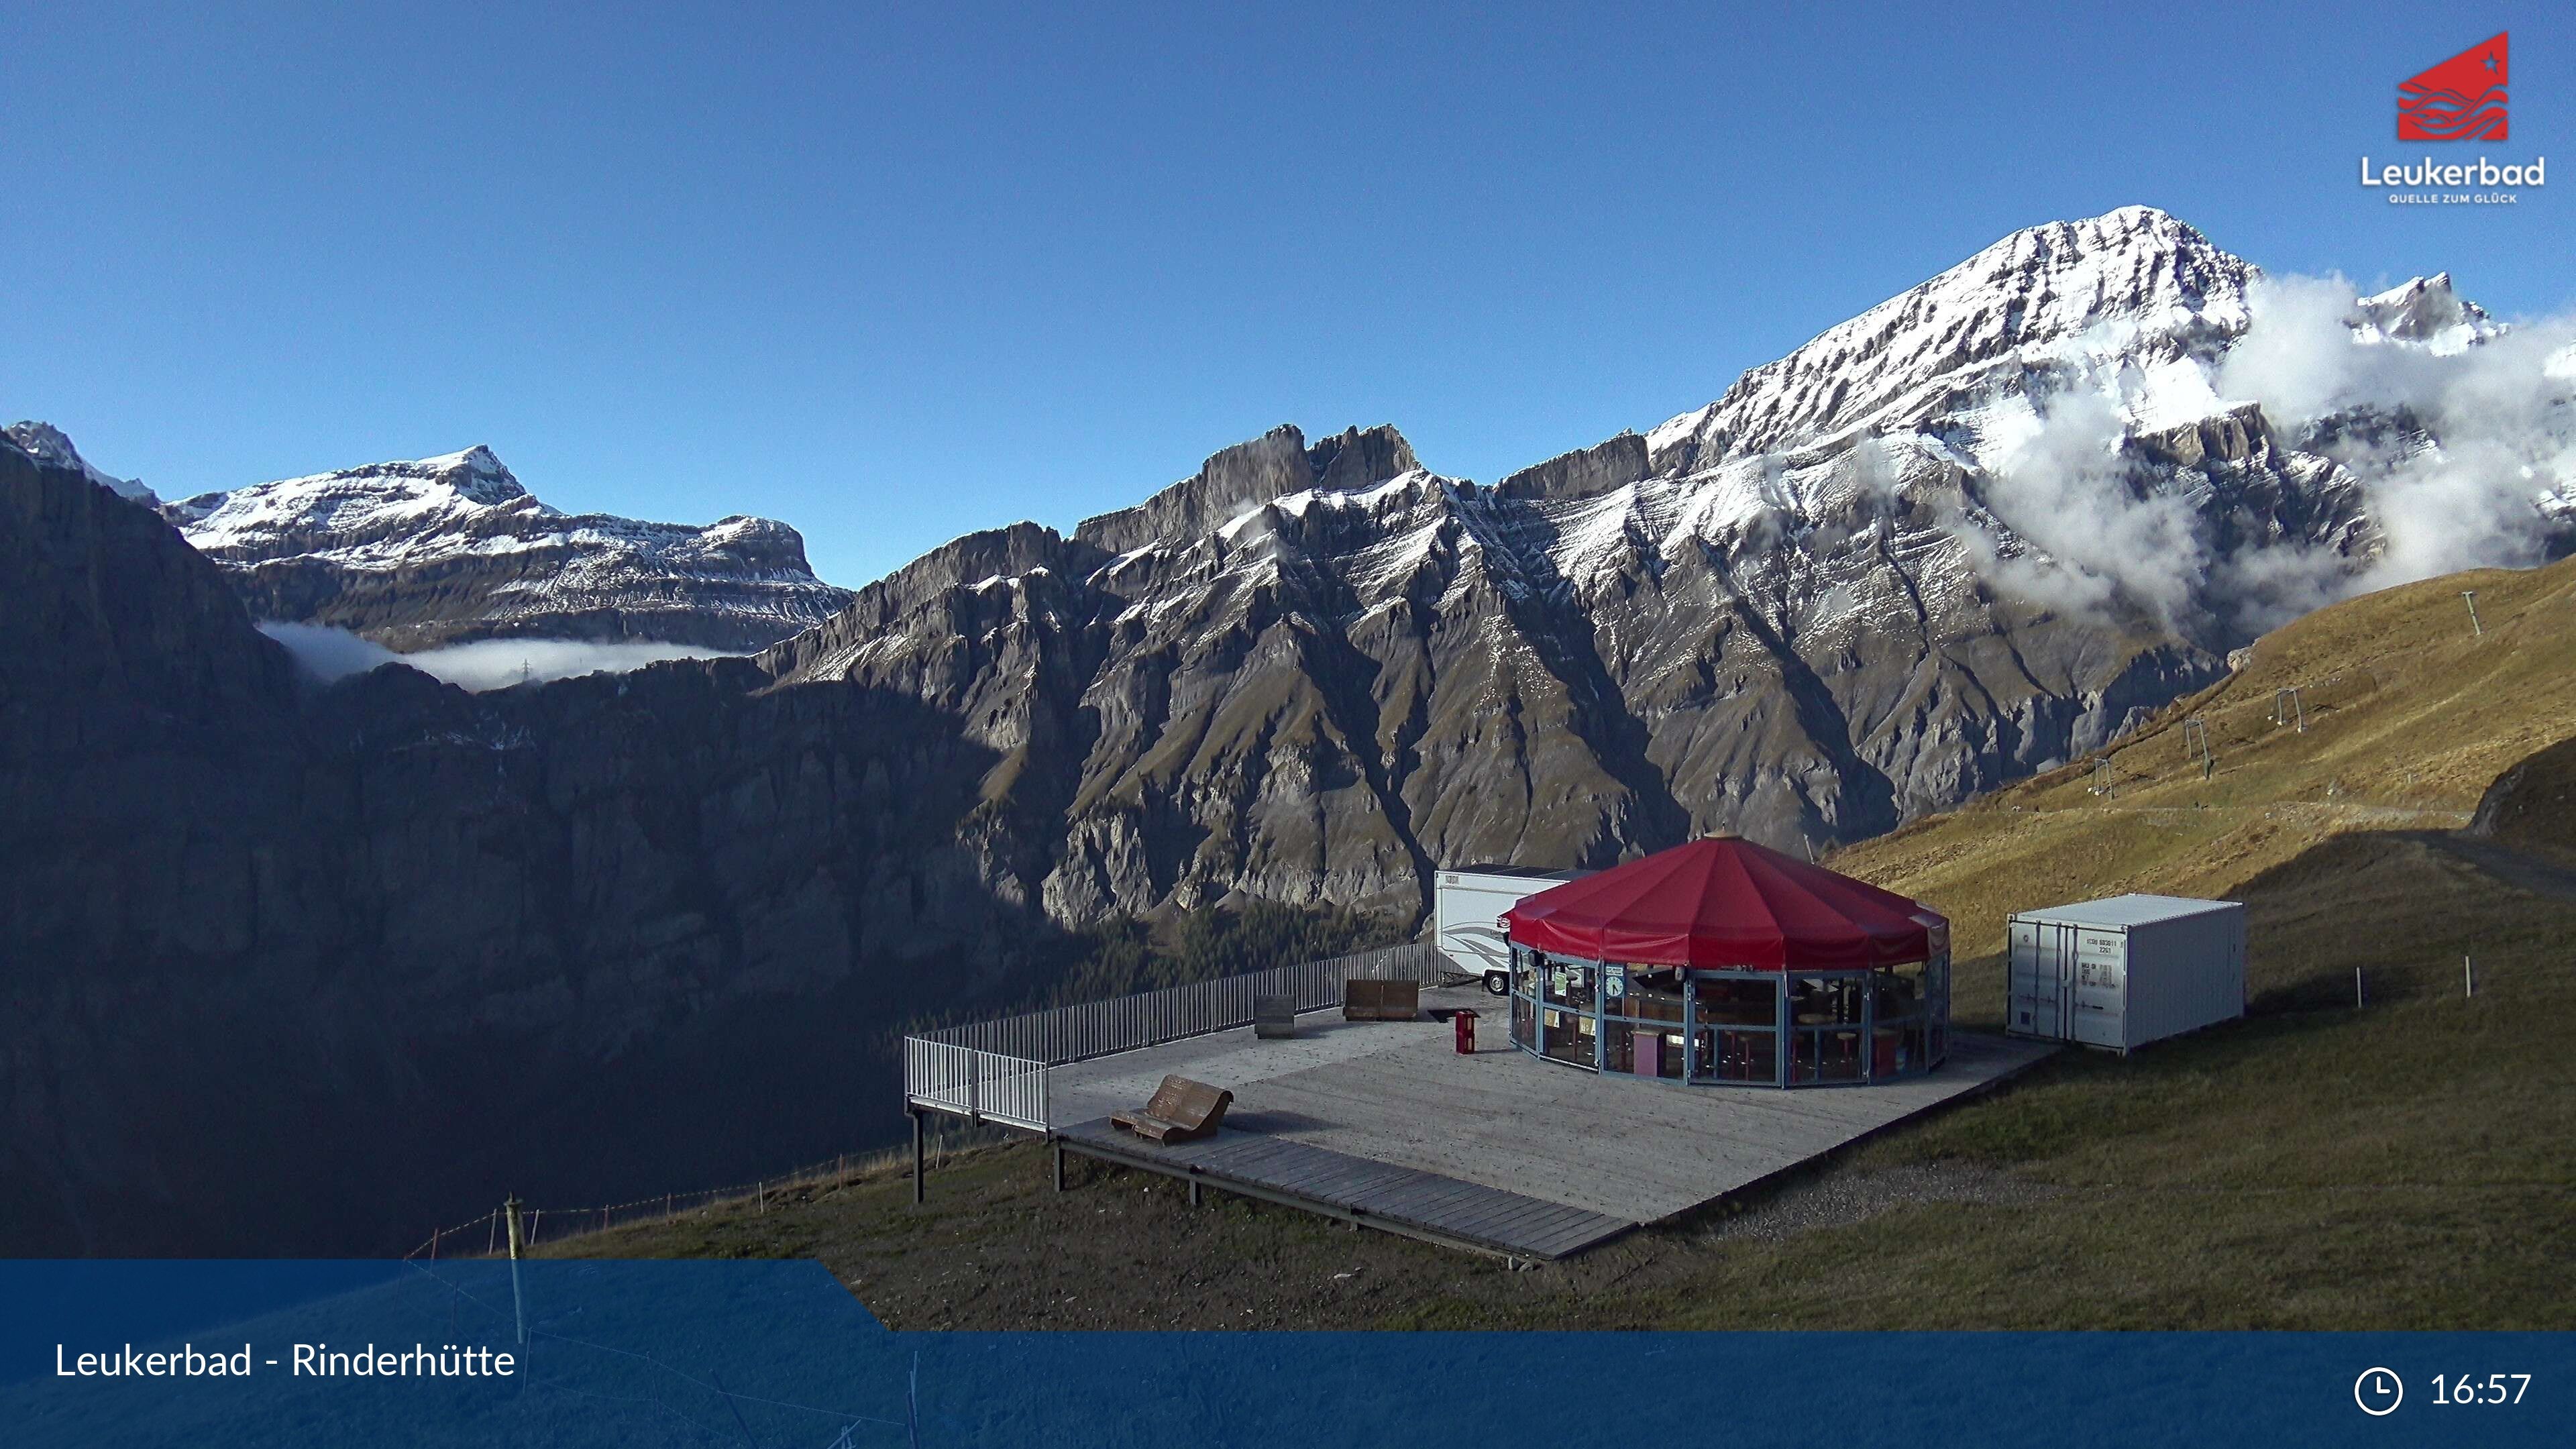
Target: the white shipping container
(2125, 971)
(1467, 908)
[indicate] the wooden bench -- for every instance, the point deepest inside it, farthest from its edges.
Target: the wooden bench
(1381, 1000)
(1181, 1111)
(1274, 1017)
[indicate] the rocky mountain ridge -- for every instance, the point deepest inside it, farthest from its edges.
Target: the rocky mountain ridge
(1974, 532)
(446, 550)
(50, 446)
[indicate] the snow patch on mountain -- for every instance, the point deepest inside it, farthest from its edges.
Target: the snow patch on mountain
(441, 550)
(48, 445)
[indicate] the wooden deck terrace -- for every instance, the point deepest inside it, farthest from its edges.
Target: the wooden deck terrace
(1386, 1124)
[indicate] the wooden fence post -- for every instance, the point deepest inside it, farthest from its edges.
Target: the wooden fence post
(518, 1304)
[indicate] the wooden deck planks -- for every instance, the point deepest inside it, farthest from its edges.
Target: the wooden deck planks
(1465, 1211)
(1386, 1120)
(1636, 1149)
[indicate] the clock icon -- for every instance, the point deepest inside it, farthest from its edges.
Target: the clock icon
(2378, 1391)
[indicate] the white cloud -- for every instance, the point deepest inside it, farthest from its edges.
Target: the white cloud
(330, 654)
(2462, 451)
(2065, 488)
(2500, 409)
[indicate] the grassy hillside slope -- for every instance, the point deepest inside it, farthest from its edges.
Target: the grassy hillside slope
(2410, 716)
(2402, 1164)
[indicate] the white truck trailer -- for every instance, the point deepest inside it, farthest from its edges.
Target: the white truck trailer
(1467, 906)
(2125, 971)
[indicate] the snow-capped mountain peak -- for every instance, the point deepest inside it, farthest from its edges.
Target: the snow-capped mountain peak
(2136, 282)
(454, 548)
(47, 444)
(476, 473)
(2426, 310)
(354, 505)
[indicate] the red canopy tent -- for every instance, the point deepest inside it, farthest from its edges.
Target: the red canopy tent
(1724, 902)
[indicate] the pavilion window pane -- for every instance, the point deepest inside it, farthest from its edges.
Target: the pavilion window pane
(1903, 992)
(1833, 1053)
(1826, 1000)
(1567, 1035)
(1654, 994)
(1825, 1055)
(1737, 1001)
(1618, 1039)
(1524, 1021)
(1817, 1001)
(1736, 1054)
(1568, 984)
(1566, 1020)
(1656, 1052)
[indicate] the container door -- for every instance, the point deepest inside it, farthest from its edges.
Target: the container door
(2041, 969)
(2101, 961)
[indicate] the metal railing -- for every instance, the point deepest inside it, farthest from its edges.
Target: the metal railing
(995, 1071)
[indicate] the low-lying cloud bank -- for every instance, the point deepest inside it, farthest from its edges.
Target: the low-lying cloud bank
(2503, 410)
(2460, 434)
(330, 654)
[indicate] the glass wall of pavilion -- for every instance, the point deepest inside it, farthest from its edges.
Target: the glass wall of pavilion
(1741, 1026)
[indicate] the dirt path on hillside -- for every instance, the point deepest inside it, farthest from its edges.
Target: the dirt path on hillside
(2519, 869)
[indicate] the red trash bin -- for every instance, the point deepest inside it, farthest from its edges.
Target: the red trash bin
(1465, 1022)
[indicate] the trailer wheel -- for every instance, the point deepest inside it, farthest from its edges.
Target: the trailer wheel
(1497, 984)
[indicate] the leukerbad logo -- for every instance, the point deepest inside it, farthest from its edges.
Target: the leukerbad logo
(2462, 99)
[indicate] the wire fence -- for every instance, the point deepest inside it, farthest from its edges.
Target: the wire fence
(488, 1235)
(974, 1072)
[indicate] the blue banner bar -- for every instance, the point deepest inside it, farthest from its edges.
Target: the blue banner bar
(771, 1353)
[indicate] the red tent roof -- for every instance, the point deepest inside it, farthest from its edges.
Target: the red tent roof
(1724, 901)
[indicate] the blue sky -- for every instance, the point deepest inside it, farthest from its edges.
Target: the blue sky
(894, 274)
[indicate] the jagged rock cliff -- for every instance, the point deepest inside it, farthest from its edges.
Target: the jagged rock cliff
(1976, 530)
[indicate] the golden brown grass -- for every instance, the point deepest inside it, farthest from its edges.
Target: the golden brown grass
(2410, 717)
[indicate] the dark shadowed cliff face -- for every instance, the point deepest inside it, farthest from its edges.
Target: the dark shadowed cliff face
(296, 972)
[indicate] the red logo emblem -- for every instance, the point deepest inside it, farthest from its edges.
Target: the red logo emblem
(2462, 99)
